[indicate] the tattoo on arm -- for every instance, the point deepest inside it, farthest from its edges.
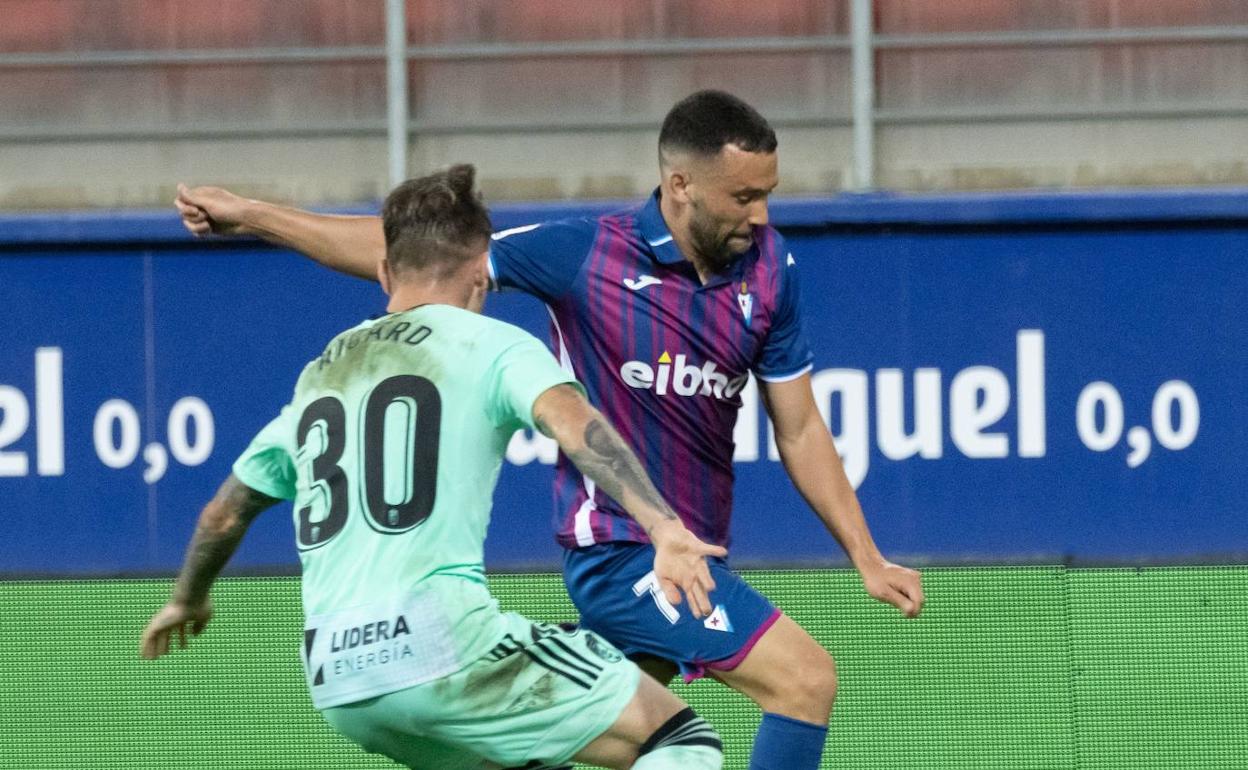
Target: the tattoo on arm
(600, 454)
(608, 461)
(220, 529)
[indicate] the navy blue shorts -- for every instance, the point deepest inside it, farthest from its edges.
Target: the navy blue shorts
(614, 588)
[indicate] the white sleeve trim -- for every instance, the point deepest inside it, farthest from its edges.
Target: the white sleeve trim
(514, 231)
(565, 360)
(784, 377)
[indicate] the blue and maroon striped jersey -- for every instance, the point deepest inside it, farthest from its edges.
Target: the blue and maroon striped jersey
(661, 355)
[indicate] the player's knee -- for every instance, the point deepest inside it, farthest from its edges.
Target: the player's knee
(813, 693)
(684, 742)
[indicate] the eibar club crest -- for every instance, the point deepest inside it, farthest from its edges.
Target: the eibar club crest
(718, 620)
(745, 301)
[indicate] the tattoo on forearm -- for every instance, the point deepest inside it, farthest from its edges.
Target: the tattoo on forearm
(207, 554)
(246, 500)
(220, 529)
(608, 460)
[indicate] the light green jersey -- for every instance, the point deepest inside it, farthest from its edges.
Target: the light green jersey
(390, 449)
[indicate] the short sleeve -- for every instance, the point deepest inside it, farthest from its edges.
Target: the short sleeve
(786, 353)
(267, 465)
(523, 370)
(542, 260)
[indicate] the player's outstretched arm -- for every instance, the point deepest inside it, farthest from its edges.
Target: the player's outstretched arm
(349, 244)
(596, 448)
(811, 459)
(221, 527)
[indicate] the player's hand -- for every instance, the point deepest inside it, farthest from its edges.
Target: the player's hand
(211, 210)
(174, 618)
(680, 565)
(894, 584)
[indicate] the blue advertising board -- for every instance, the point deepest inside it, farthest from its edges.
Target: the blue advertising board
(1010, 378)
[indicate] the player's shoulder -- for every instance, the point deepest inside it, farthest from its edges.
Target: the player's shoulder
(362, 325)
(333, 348)
(492, 334)
(340, 340)
(772, 248)
(558, 232)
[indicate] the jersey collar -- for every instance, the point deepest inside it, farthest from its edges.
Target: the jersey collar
(656, 234)
(658, 237)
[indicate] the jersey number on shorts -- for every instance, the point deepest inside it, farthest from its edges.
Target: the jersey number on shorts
(650, 582)
(408, 393)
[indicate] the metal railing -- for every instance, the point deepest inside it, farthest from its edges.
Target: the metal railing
(861, 45)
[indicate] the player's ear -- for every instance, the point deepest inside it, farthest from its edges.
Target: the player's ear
(383, 275)
(672, 177)
(480, 283)
(676, 182)
(481, 275)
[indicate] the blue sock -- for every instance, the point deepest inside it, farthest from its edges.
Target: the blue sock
(784, 743)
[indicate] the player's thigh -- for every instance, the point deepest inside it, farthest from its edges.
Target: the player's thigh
(543, 693)
(650, 708)
(371, 724)
(615, 589)
(786, 672)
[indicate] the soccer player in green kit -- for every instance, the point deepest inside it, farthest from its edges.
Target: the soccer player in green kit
(391, 449)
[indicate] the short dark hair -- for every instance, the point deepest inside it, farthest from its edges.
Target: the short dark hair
(437, 220)
(704, 122)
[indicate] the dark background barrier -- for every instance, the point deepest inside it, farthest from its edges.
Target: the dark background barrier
(1011, 378)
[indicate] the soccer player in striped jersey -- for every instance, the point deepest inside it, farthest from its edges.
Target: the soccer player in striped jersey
(390, 449)
(662, 312)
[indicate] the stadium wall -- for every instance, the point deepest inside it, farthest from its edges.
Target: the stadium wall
(1027, 378)
(1028, 390)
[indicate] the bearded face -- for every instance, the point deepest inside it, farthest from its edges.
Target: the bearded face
(718, 240)
(727, 199)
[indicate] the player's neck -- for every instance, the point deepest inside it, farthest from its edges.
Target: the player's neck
(408, 296)
(680, 236)
(701, 265)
